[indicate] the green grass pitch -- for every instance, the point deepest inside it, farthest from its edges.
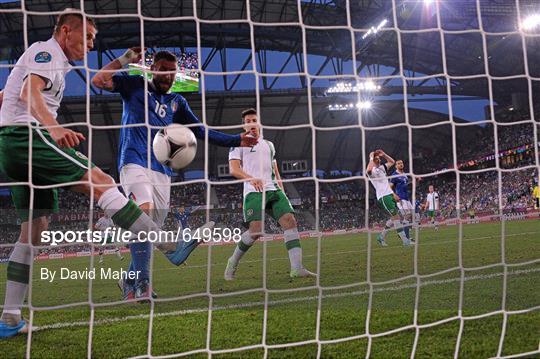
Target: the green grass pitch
(180, 324)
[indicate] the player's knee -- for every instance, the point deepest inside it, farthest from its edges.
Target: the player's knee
(146, 207)
(288, 221)
(101, 182)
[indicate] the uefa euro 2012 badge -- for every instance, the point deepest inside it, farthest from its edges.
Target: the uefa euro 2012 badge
(43, 57)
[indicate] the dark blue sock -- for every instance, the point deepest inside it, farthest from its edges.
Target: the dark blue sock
(407, 231)
(140, 259)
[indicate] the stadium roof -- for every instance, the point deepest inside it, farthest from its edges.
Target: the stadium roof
(224, 26)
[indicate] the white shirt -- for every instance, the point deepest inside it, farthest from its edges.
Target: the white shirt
(46, 59)
(433, 201)
(258, 162)
(380, 182)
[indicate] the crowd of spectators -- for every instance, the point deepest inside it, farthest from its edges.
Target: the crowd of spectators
(188, 63)
(341, 204)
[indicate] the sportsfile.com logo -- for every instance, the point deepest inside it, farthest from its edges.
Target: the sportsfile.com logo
(120, 236)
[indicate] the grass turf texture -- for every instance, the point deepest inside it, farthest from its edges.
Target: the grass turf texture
(180, 325)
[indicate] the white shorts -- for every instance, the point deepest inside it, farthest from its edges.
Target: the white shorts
(144, 185)
(405, 207)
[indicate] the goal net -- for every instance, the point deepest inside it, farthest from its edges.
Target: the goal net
(450, 88)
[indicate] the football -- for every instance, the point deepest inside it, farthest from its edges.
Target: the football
(175, 146)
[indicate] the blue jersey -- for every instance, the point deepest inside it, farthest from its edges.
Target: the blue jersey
(401, 185)
(183, 218)
(417, 206)
(163, 110)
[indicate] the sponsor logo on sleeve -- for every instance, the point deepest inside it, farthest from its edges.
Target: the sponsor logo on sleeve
(43, 57)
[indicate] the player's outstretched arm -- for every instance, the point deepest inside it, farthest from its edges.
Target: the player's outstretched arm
(31, 95)
(235, 168)
(185, 116)
(104, 77)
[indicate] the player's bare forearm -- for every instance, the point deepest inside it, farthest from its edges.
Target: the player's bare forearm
(237, 171)
(1, 97)
(370, 165)
(389, 160)
(278, 177)
(31, 95)
(103, 79)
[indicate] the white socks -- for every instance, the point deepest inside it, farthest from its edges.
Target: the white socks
(246, 241)
(18, 276)
(292, 243)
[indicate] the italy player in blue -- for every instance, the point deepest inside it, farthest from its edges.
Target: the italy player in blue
(400, 185)
(148, 184)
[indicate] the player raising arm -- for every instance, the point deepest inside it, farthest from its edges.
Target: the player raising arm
(32, 96)
(258, 167)
(387, 199)
(149, 184)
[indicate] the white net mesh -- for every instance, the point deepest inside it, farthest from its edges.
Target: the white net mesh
(369, 291)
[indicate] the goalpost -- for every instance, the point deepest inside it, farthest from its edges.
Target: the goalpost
(371, 284)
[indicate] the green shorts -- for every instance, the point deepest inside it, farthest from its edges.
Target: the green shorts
(431, 213)
(277, 204)
(51, 165)
(388, 203)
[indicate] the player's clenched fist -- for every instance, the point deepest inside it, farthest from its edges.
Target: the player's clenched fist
(246, 140)
(131, 56)
(65, 137)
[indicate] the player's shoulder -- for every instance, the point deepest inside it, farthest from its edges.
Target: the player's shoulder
(42, 52)
(270, 143)
(178, 97)
(178, 101)
(235, 151)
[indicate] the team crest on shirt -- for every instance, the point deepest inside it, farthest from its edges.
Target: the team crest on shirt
(174, 106)
(43, 57)
(81, 156)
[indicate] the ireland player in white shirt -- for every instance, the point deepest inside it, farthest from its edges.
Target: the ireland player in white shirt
(28, 112)
(387, 199)
(258, 167)
(432, 206)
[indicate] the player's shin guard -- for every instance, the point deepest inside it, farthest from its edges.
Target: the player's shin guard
(18, 275)
(292, 243)
(245, 243)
